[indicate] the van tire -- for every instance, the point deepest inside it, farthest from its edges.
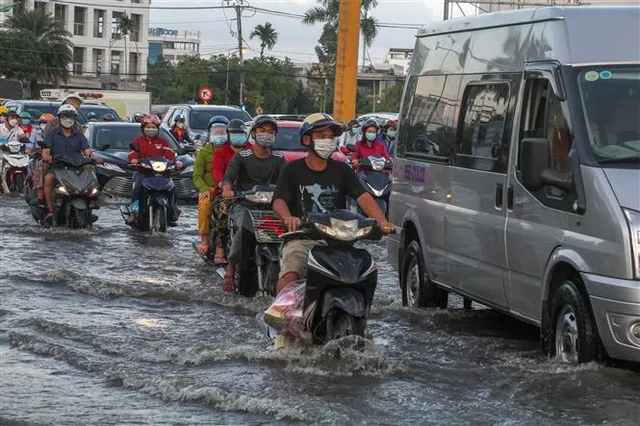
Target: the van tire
(417, 289)
(571, 317)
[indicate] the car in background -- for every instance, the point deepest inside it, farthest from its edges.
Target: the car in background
(287, 117)
(111, 141)
(37, 108)
(380, 117)
(288, 142)
(197, 117)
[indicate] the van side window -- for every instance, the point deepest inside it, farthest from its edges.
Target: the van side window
(482, 144)
(431, 120)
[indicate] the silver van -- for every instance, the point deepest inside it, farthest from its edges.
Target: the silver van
(517, 177)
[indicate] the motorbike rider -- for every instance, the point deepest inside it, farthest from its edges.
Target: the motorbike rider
(203, 178)
(179, 130)
(76, 102)
(65, 141)
(236, 142)
(352, 135)
(151, 144)
(368, 145)
(25, 123)
(11, 131)
(389, 133)
(316, 184)
(255, 166)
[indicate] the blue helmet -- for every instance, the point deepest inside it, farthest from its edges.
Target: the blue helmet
(179, 117)
(218, 119)
(319, 120)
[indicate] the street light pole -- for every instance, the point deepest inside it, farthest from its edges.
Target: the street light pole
(226, 87)
(240, 53)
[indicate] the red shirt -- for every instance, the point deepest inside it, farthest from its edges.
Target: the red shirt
(27, 129)
(364, 150)
(221, 158)
(147, 148)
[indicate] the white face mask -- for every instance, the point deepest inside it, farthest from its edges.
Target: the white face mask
(67, 123)
(324, 147)
(13, 122)
(43, 126)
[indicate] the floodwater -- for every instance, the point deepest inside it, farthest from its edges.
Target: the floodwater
(111, 327)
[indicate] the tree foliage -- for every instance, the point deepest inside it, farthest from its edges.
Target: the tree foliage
(267, 35)
(35, 48)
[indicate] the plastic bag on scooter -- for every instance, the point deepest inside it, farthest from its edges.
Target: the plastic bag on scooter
(285, 313)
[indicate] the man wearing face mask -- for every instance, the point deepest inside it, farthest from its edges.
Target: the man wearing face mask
(10, 131)
(352, 135)
(179, 130)
(259, 165)
(75, 101)
(316, 184)
(368, 144)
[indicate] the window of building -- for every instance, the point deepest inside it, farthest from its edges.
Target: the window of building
(79, 19)
(133, 65)
(60, 14)
(98, 57)
(98, 23)
(482, 143)
(431, 124)
(115, 62)
(78, 60)
(137, 24)
(116, 33)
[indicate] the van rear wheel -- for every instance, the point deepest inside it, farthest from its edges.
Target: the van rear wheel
(417, 289)
(574, 337)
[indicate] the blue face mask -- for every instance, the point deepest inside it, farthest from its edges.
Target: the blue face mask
(391, 134)
(238, 139)
(25, 122)
(371, 136)
(218, 139)
(356, 130)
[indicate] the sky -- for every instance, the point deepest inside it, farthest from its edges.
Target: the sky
(295, 40)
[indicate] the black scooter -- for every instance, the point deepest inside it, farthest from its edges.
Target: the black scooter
(257, 273)
(153, 208)
(75, 194)
(341, 279)
(375, 178)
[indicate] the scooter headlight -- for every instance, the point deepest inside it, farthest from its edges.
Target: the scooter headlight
(260, 197)
(158, 166)
(377, 165)
(61, 189)
(94, 191)
(343, 230)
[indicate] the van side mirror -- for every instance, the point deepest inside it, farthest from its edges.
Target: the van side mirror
(534, 159)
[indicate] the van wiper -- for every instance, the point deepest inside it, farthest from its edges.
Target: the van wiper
(627, 159)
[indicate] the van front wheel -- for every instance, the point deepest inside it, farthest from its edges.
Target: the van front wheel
(574, 337)
(417, 289)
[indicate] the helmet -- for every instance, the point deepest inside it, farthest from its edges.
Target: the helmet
(352, 123)
(12, 113)
(4, 110)
(45, 118)
(390, 123)
(92, 116)
(108, 117)
(236, 125)
(25, 114)
(318, 120)
(370, 123)
(67, 110)
(179, 117)
(149, 119)
(220, 120)
(263, 119)
(137, 118)
(72, 96)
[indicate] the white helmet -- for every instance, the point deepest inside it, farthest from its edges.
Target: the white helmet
(67, 109)
(72, 96)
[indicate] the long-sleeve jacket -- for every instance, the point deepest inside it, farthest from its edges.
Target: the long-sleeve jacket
(202, 178)
(147, 148)
(182, 135)
(221, 159)
(364, 151)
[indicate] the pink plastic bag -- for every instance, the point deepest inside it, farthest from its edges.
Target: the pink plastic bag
(285, 313)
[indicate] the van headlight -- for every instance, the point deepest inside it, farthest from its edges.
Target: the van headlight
(633, 219)
(343, 230)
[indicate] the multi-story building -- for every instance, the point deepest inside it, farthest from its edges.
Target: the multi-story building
(172, 45)
(102, 56)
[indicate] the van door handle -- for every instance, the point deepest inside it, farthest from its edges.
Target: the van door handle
(510, 197)
(499, 194)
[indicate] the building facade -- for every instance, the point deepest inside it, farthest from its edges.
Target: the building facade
(103, 57)
(172, 45)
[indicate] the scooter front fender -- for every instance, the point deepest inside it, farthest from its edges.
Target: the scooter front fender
(346, 299)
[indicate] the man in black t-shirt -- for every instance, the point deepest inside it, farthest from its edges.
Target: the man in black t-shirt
(316, 184)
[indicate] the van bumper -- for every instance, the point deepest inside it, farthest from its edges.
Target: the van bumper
(616, 308)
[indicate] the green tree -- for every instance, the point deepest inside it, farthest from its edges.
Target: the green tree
(390, 98)
(267, 35)
(35, 48)
(125, 26)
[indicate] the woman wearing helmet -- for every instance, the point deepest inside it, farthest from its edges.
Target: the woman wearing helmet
(389, 132)
(203, 179)
(368, 144)
(36, 138)
(151, 144)
(25, 123)
(316, 184)
(179, 130)
(11, 130)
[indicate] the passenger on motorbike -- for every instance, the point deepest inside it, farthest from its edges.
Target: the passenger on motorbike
(25, 123)
(236, 142)
(65, 142)
(76, 102)
(368, 145)
(255, 166)
(149, 145)
(179, 130)
(316, 184)
(10, 130)
(352, 135)
(389, 131)
(203, 178)
(36, 138)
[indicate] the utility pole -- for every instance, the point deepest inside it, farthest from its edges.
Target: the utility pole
(344, 104)
(240, 65)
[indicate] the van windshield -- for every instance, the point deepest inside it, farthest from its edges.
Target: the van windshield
(611, 104)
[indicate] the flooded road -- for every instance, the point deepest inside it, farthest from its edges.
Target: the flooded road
(113, 327)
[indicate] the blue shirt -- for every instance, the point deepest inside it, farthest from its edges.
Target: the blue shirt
(63, 146)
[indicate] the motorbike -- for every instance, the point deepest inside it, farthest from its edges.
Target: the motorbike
(75, 194)
(257, 273)
(14, 167)
(374, 175)
(348, 150)
(151, 212)
(341, 279)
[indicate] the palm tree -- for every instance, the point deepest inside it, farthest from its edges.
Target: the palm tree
(329, 11)
(267, 35)
(48, 39)
(125, 26)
